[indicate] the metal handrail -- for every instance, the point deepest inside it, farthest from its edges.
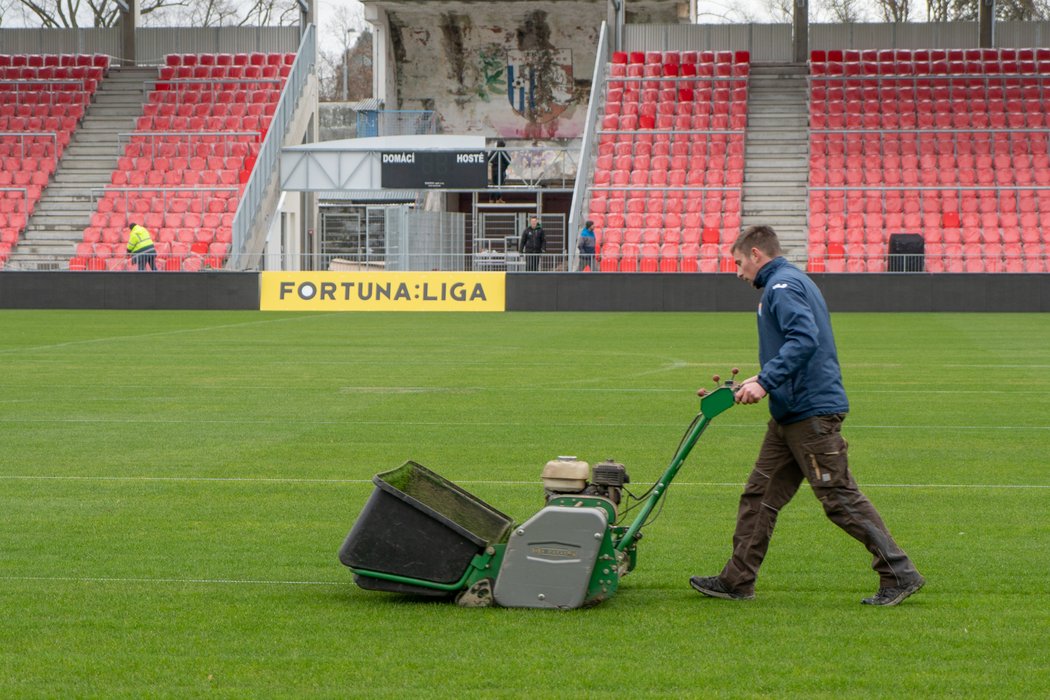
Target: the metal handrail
(252, 199)
(590, 124)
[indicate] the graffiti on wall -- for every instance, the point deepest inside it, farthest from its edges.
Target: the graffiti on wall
(537, 85)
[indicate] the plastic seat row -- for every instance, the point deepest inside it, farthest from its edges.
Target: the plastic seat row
(680, 94)
(176, 162)
(64, 59)
(904, 89)
(171, 257)
(672, 128)
(974, 142)
(665, 224)
(229, 59)
(839, 257)
(211, 73)
(936, 61)
(1032, 119)
(679, 57)
(668, 257)
(201, 193)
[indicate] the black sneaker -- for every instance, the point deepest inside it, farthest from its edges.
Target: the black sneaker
(712, 586)
(895, 594)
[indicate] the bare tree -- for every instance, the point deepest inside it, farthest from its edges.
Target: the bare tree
(724, 11)
(967, 10)
(770, 11)
(844, 11)
(69, 14)
(271, 12)
(346, 72)
(894, 10)
(938, 10)
(213, 13)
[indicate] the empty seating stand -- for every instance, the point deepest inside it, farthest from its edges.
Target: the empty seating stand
(42, 100)
(949, 144)
(666, 181)
(182, 172)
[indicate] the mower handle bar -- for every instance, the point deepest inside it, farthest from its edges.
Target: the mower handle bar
(711, 404)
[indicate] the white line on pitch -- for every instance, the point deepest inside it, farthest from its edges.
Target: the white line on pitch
(465, 482)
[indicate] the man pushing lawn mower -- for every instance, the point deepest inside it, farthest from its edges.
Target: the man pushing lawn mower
(801, 376)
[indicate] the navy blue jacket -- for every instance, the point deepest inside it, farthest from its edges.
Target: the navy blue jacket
(796, 349)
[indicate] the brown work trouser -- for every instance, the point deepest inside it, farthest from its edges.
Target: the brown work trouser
(814, 449)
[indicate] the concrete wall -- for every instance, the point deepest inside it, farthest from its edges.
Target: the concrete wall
(124, 290)
(724, 292)
(458, 57)
(548, 292)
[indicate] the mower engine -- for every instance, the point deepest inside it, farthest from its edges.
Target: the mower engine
(567, 475)
(564, 555)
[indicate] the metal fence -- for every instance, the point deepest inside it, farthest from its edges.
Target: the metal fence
(151, 43)
(513, 262)
(772, 42)
(397, 122)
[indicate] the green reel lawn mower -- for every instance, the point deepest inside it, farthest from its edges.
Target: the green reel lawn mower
(421, 534)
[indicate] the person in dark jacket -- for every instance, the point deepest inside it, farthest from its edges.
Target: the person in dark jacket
(533, 243)
(801, 376)
(586, 245)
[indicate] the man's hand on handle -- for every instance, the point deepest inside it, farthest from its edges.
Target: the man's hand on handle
(750, 391)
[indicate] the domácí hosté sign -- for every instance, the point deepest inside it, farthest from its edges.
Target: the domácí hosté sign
(423, 170)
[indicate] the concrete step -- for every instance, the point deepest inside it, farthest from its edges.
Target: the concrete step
(789, 177)
(778, 161)
(776, 121)
(92, 163)
(64, 195)
(96, 177)
(45, 236)
(50, 250)
(763, 190)
(797, 215)
(770, 135)
(48, 207)
(792, 204)
(760, 148)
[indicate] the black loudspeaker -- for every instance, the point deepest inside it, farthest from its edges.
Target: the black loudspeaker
(907, 253)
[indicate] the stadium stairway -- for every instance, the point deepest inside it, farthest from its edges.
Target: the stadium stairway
(776, 168)
(66, 205)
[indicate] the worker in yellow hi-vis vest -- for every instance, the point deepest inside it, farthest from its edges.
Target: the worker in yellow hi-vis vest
(140, 247)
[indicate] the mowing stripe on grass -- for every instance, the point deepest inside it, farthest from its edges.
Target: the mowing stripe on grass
(222, 581)
(499, 424)
(466, 482)
(158, 334)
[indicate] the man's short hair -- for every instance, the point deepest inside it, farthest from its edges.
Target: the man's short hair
(762, 237)
(588, 223)
(132, 224)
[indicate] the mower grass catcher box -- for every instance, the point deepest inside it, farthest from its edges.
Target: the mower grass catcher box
(419, 525)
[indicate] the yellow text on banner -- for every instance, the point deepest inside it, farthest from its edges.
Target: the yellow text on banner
(382, 291)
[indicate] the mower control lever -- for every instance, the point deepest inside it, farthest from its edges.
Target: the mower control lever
(731, 382)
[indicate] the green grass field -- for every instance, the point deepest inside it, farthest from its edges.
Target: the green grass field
(174, 487)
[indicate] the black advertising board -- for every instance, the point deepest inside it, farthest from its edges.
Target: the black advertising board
(428, 170)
